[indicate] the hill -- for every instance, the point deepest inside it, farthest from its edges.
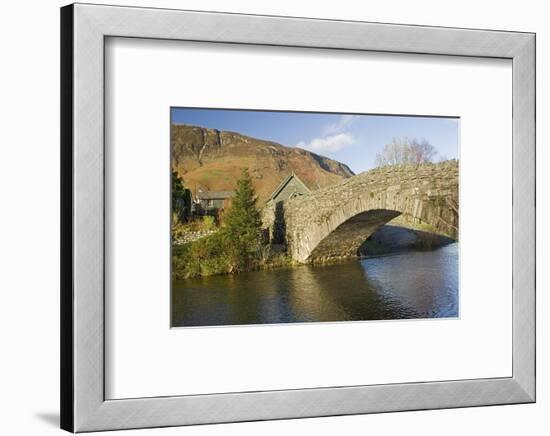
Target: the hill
(214, 159)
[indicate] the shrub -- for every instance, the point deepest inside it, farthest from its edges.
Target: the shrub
(208, 223)
(235, 247)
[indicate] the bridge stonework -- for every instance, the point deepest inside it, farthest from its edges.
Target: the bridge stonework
(333, 222)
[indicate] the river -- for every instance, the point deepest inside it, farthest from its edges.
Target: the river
(413, 284)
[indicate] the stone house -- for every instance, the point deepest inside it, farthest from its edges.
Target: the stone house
(272, 213)
(210, 202)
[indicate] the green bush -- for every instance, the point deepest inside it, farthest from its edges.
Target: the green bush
(200, 258)
(208, 223)
(234, 248)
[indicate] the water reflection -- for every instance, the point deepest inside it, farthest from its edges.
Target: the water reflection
(407, 285)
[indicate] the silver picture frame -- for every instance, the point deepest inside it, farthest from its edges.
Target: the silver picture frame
(84, 29)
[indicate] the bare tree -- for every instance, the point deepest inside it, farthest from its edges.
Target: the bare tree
(402, 151)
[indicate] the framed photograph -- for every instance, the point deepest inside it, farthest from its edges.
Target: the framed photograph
(271, 217)
(264, 233)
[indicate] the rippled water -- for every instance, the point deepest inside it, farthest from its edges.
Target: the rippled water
(419, 284)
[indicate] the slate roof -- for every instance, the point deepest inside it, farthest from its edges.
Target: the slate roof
(215, 195)
(285, 182)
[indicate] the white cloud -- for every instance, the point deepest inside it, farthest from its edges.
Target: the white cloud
(343, 123)
(329, 143)
(334, 137)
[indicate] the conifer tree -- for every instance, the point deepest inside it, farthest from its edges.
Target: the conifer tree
(181, 198)
(243, 222)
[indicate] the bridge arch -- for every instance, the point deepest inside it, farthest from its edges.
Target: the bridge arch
(333, 222)
(346, 238)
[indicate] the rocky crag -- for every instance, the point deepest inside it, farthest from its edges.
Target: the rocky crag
(213, 160)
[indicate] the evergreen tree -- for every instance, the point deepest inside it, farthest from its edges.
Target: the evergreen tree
(177, 186)
(243, 224)
(181, 198)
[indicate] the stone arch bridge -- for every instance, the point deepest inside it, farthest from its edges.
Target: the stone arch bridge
(333, 222)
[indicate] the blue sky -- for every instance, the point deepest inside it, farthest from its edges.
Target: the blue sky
(351, 139)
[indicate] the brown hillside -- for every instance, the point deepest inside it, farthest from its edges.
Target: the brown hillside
(214, 159)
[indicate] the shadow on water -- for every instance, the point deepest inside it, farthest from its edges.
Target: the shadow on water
(407, 285)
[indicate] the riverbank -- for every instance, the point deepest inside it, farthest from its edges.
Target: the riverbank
(213, 254)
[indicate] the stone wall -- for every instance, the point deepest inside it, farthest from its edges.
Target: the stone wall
(188, 237)
(333, 222)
